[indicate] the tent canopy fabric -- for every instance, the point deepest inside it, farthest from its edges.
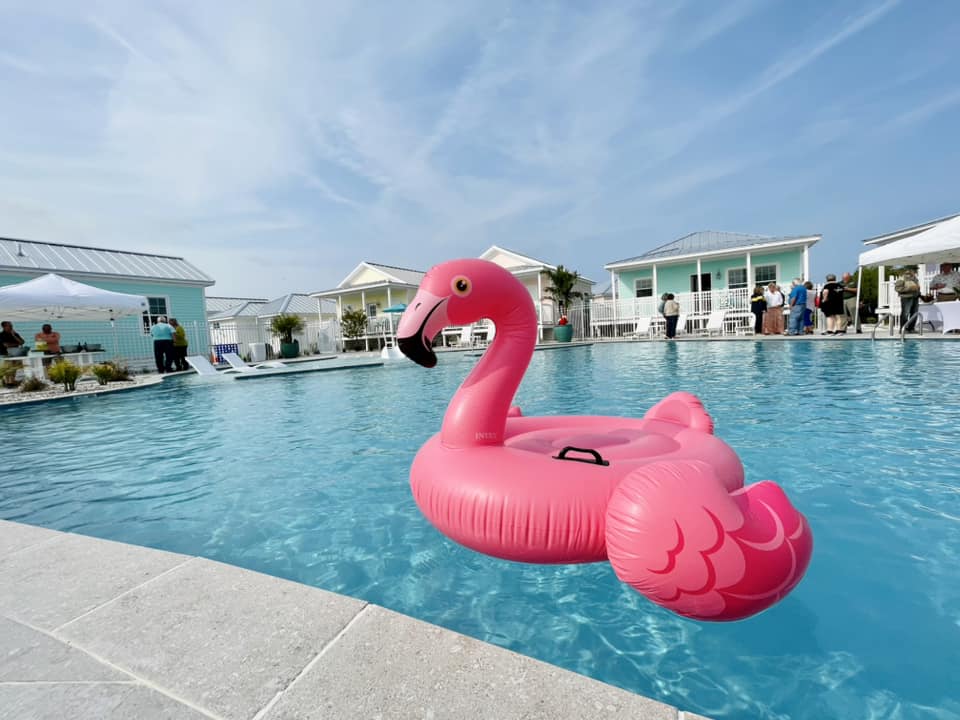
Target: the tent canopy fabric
(52, 297)
(399, 308)
(939, 244)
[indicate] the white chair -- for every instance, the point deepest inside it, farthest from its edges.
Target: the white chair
(714, 323)
(201, 365)
(466, 336)
(643, 328)
(237, 363)
(682, 324)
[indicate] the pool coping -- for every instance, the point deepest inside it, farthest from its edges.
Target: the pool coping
(96, 629)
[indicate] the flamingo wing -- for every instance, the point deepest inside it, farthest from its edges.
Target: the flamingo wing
(675, 534)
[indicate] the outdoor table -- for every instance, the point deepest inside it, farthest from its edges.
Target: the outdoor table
(944, 316)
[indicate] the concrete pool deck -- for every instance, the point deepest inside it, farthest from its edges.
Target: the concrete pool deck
(95, 629)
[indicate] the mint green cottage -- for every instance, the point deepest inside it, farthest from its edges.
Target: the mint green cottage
(172, 286)
(707, 271)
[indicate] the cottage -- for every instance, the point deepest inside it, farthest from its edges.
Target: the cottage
(173, 287)
(706, 271)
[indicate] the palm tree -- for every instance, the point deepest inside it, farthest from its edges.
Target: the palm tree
(561, 287)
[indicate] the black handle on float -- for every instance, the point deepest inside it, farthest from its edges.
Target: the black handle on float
(597, 459)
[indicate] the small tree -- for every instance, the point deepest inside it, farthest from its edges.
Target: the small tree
(354, 324)
(561, 287)
(285, 326)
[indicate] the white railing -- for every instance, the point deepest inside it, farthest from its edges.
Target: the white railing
(618, 318)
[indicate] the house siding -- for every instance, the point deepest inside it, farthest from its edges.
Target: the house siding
(184, 302)
(675, 277)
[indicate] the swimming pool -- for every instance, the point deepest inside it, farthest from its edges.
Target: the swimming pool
(306, 478)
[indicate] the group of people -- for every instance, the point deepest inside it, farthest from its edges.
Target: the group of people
(945, 286)
(169, 345)
(837, 301)
(46, 340)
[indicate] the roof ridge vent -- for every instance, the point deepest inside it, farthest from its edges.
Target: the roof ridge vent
(20, 252)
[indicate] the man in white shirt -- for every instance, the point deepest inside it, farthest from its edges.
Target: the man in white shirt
(945, 282)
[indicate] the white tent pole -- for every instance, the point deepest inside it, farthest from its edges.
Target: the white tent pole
(856, 310)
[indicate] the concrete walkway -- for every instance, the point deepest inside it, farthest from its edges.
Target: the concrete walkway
(93, 629)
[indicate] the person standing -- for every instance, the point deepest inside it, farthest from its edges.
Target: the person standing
(773, 320)
(758, 306)
(831, 304)
(9, 338)
(850, 303)
(946, 282)
(180, 344)
(162, 334)
(671, 313)
(50, 340)
(798, 306)
(908, 289)
(811, 309)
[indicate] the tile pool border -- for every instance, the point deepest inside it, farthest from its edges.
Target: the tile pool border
(95, 628)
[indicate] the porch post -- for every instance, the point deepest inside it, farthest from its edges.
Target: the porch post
(366, 334)
(699, 288)
(806, 262)
(656, 288)
(390, 304)
(751, 282)
(540, 307)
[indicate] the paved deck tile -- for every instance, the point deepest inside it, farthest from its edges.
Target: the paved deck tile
(55, 582)
(223, 638)
(391, 666)
(91, 701)
(27, 655)
(15, 536)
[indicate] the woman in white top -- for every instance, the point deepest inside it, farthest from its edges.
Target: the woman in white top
(773, 318)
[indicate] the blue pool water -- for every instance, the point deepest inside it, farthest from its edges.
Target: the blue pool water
(306, 478)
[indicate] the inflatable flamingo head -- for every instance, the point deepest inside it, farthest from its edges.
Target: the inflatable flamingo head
(458, 292)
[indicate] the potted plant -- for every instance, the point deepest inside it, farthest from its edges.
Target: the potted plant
(561, 289)
(285, 325)
(353, 324)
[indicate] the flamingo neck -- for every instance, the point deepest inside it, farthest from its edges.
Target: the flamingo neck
(477, 415)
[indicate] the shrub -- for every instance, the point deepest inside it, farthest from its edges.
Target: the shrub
(119, 372)
(353, 324)
(8, 373)
(66, 372)
(33, 384)
(103, 373)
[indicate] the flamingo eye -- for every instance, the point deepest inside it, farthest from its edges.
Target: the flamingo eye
(460, 286)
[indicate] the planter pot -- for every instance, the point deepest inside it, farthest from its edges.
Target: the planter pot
(563, 333)
(289, 350)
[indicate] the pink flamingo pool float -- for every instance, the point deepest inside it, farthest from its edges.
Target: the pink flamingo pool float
(660, 497)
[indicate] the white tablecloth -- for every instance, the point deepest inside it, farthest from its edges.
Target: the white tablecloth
(945, 316)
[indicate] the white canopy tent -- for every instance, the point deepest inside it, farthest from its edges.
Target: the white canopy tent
(52, 297)
(939, 244)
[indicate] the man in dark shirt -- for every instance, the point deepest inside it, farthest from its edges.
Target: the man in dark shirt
(9, 338)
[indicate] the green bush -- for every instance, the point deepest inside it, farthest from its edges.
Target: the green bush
(33, 384)
(118, 372)
(66, 372)
(103, 373)
(285, 326)
(8, 373)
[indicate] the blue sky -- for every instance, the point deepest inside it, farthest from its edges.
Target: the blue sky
(276, 145)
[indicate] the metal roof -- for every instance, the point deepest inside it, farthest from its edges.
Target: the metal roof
(294, 303)
(219, 304)
(710, 241)
(243, 309)
(41, 257)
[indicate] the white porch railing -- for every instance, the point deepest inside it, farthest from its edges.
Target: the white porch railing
(618, 318)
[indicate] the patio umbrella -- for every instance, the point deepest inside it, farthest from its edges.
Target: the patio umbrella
(52, 297)
(398, 308)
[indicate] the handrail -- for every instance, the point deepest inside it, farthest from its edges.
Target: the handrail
(903, 328)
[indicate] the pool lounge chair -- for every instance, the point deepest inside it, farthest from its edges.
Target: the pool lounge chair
(202, 365)
(643, 328)
(237, 363)
(714, 323)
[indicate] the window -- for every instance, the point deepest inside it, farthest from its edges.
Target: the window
(736, 278)
(765, 274)
(644, 287)
(158, 307)
(371, 310)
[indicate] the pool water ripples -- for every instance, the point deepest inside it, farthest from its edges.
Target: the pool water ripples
(306, 478)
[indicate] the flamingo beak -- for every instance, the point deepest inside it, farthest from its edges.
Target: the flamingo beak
(423, 319)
